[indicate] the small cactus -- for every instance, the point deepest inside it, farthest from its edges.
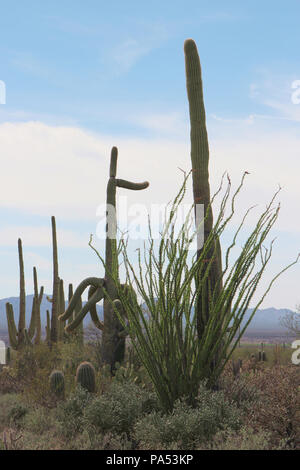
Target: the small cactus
(259, 356)
(86, 376)
(236, 367)
(7, 356)
(57, 383)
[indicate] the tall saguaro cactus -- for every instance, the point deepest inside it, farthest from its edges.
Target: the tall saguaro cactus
(200, 173)
(18, 337)
(21, 325)
(113, 335)
(36, 305)
(54, 332)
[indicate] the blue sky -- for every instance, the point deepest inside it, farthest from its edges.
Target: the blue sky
(84, 76)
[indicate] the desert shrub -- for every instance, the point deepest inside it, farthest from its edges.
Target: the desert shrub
(8, 382)
(39, 421)
(71, 412)
(240, 390)
(88, 440)
(185, 427)
(31, 360)
(119, 407)
(17, 414)
(278, 409)
(11, 440)
(7, 403)
(37, 391)
(245, 439)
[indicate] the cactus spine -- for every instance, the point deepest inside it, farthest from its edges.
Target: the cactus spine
(57, 383)
(201, 188)
(113, 337)
(86, 376)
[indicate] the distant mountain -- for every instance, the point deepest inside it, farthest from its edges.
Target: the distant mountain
(45, 305)
(265, 320)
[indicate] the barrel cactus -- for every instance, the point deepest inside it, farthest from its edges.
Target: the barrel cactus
(86, 376)
(57, 383)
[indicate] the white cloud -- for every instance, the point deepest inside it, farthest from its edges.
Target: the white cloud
(129, 48)
(63, 171)
(39, 236)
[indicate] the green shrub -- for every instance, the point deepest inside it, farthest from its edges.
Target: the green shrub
(39, 421)
(17, 413)
(245, 439)
(70, 413)
(185, 427)
(119, 407)
(240, 391)
(8, 402)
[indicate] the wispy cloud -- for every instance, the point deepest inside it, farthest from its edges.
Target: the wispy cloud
(274, 90)
(129, 48)
(28, 63)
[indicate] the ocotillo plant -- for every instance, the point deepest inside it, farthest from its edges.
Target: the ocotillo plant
(113, 335)
(201, 189)
(18, 337)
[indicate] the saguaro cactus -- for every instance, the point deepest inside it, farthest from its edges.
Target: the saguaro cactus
(201, 188)
(77, 309)
(54, 331)
(36, 305)
(113, 335)
(18, 337)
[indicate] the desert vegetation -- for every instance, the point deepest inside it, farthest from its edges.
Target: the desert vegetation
(163, 369)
